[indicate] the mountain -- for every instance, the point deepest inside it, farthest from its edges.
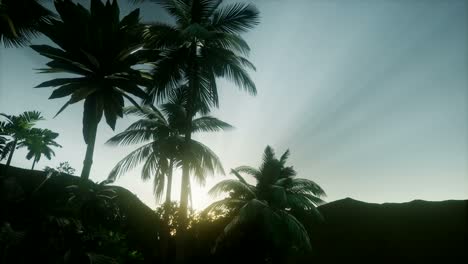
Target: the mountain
(411, 232)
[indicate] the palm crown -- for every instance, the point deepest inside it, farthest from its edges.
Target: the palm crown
(38, 143)
(276, 199)
(160, 130)
(18, 128)
(203, 44)
(101, 49)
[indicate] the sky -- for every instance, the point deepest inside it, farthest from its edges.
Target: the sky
(370, 97)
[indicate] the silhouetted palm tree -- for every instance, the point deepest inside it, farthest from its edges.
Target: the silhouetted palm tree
(39, 142)
(20, 21)
(102, 50)
(18, 128)
(161, 131)
(272, 202)
(204, 44)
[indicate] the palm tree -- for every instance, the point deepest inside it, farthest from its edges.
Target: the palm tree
(18, 129)
(161, 133)
(39, 142)
(204, 44)
(102, 50)
(20, 20)
(274, 203)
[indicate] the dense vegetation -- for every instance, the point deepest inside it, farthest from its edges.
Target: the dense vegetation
(168, 74)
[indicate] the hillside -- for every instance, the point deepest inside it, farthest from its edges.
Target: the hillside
(413, 232)
(394, 232)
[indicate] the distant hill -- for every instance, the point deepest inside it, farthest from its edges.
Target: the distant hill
(412, 232)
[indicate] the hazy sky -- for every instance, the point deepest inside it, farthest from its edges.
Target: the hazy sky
(370, 96)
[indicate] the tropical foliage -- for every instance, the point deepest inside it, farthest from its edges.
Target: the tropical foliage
(161, 133)
(101, 49)
(63, 167)
(15, 130)
(275, 201)
(108, 61)
(38, 143)
(202, 45)
(20, 20)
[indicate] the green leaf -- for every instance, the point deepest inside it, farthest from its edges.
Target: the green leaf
(131, 161)
(64, 90)
(235, 18)
(82, 93)
(209, 124)
(59, 82)
(62, 108)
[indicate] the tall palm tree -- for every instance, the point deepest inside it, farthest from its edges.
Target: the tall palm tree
(162, 135)
(39, 142)
(18, 129)
(102, 50)
(20, 20)
(275, 201)
(202, 45)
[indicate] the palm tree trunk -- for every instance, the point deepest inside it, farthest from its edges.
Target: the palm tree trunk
(166, 233)
(10, 157)
(190, 194)
(169, 182)
(88, 161)
(184, 191)
(34, 163)
(185, 185)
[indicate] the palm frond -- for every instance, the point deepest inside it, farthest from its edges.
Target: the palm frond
(131, 161)
(201, 10)
(231, 42)
(231, 185)
(297, 234)
(145, 111)
(6, 149)
(161, 36)
(203, 161)
(284, 157)
(306, 185)
(168, 73)
(248, 170)
(303, 201)
(130, 137)
(156, 164)
(287, 172)
(146, 124)
(268, 154)
(235, 18)
(209, 124)
(227, 203)
(179, 9)
(151, 166)
(226, 64)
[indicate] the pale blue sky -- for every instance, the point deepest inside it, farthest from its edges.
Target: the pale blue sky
(370, 96)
